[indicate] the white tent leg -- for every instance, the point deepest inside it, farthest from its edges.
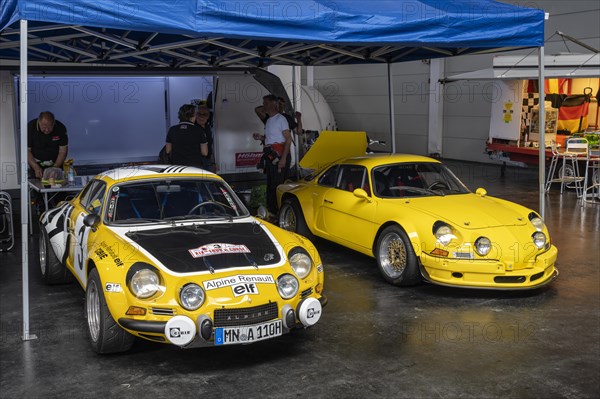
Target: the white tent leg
(436, 107)
(391, 107)
(24, 187)
(542, 125)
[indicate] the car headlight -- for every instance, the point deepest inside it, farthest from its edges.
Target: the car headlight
(536, 221)
(144, 283)
(539, 239)
(287, 285)
(483, 246)
(301, 262)
(191, 296)
(443, 233)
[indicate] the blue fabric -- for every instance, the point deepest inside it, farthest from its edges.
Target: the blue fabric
(435, 23)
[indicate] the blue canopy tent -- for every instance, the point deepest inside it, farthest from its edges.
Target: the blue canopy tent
(218, 33)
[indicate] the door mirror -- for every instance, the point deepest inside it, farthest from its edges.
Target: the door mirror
(362, 194)
(481, 192)
(91, 220)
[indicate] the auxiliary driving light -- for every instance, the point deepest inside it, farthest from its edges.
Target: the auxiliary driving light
(539, 239)
(483, 246)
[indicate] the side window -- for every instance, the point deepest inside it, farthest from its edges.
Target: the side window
(329, 178)
(353, 177)
(93, 199)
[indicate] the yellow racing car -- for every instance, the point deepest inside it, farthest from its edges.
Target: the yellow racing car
(416, 218)
(170, 254)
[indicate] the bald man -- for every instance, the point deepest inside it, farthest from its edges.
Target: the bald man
(47, 143)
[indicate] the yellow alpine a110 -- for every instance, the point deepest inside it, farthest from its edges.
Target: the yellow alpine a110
(416, 218)
(170, 254)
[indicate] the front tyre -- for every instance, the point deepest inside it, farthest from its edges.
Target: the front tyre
(292, 219)
(396, 259)
(53, 271)
(106, 336)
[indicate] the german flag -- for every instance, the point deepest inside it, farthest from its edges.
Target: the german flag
(573, 113)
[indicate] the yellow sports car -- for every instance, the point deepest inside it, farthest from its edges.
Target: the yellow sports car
(416, 218)
(170, 254)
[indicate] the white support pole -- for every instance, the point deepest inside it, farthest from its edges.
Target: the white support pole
(24, 185)
(542, 125)
(436, 107)
(391, 108)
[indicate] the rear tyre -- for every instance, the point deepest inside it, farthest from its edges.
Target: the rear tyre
(292, 219)
(396, 259)
(106, 336)
(53, 271)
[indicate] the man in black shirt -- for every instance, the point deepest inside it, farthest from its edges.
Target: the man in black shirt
(47, 143)
(186, 142)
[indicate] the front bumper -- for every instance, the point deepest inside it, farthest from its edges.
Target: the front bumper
(155, 330)
(488, 274)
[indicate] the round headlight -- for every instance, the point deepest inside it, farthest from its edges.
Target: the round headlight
(287, 285)
(144, 283)
(191, 296)
(539, 239)
(301, 263)
(444, 234)
(537, 222)
(483, 246)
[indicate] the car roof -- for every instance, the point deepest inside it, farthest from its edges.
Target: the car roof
(373, 160)
(142, 172)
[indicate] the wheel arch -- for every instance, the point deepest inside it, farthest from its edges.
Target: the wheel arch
(415, 243)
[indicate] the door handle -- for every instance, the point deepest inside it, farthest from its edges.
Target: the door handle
(327, 201)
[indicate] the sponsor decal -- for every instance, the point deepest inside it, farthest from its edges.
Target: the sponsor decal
(312, 312)
(177, 332)
(243, 159)
(112, 287)
(239, 279)
(218, 249)
(111, 253)
(269, 257)
(244, 289)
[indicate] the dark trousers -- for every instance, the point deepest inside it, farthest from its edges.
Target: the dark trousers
(275, 178)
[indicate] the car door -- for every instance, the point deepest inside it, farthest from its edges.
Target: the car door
(346, 217)
(90, 201)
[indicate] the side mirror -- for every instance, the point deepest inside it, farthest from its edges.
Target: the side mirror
(91, 220)
(362, 194)
(481, 192)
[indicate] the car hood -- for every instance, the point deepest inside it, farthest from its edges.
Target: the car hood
(471, 211)
(331, 146)
(208, 247)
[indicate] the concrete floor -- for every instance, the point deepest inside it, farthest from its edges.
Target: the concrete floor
(374, 339)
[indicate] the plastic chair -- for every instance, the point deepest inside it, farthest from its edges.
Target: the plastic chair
(591, 193)
(7, 236)
(576, 147)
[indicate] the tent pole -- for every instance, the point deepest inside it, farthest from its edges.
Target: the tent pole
(542, 125)
(391, 107)
(24, 185)
(294, 108)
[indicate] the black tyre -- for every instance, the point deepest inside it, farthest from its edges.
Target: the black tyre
(106, 336)
(396, 257)
(291, 218)
(53, 271)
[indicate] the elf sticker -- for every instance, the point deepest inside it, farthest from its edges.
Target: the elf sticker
(218, 249)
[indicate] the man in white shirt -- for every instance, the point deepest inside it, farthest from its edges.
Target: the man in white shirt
(276, 153)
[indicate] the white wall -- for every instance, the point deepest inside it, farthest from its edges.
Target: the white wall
(8, 161)
(358, 93)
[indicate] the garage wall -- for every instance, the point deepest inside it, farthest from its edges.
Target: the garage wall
(8, 164)
(358, 94)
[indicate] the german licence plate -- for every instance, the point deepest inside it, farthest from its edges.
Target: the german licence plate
(247, 334)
